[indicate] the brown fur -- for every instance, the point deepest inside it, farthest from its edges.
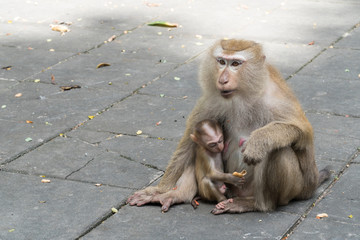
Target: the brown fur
(209, 169)
(279, 153)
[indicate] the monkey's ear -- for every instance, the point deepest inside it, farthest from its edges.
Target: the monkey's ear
(193, 137)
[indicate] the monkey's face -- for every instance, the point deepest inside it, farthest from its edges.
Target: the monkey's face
(237, 64)
(213, 140)
(229, 68)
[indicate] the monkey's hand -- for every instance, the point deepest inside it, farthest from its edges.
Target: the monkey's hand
(237, 181)
(253, 151)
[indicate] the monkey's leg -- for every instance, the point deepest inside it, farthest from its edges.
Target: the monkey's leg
(277, 180)
(185, 191)
(234, 205)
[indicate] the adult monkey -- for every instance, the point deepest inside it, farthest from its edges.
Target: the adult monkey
(251, 101)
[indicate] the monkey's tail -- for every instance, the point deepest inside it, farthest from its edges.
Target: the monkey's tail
(324, 174)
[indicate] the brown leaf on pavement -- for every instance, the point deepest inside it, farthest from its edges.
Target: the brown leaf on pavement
(67, 88)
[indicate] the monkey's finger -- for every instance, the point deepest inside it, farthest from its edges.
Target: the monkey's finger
(130, 199)
(217, 211)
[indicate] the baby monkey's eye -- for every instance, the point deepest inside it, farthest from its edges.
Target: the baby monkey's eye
(212, 145)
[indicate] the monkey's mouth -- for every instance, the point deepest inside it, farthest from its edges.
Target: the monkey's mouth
(226, 93)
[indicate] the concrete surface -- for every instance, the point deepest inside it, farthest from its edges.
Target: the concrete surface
(94, 163)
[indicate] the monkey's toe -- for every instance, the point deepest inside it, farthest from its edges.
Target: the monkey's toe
(166, 203)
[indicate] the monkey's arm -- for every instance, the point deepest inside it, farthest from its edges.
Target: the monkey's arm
(275, 135)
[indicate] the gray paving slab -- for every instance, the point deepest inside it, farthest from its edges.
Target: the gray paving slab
(111, 169)
(183, 222)
(144, 61)
(56, 210)
(142, 112)
(51, 111)
(170, 45)
(281, 55)
(334, 125)
(58, 158)
(25, 63)
(338, 64)
(341, 205)
(149, 151)
(350, 40)
(108, 78)
(335, 139)
(310, 21)
(326, 94)
(180, 83)
(319, 229)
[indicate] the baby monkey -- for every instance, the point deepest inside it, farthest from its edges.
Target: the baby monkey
(209, 167)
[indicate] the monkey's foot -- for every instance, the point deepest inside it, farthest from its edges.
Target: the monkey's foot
(222, 207)
(143, 197)
(195, 202)
(139, 199)
(234, 205)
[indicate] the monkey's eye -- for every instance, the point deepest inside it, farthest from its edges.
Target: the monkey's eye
(212, 145)
(236, 63)
(221, 61)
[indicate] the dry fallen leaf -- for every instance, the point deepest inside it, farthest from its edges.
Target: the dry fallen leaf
(67, 88)
(163, 24)
(53, 79)
(322, 215)
(152, 4)
(7, 68)
(100, 65)
(59, 28)
(112, 38)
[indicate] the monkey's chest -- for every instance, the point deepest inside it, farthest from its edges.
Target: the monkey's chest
(232, 154)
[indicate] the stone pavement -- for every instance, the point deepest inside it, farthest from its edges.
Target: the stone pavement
(151, 85)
